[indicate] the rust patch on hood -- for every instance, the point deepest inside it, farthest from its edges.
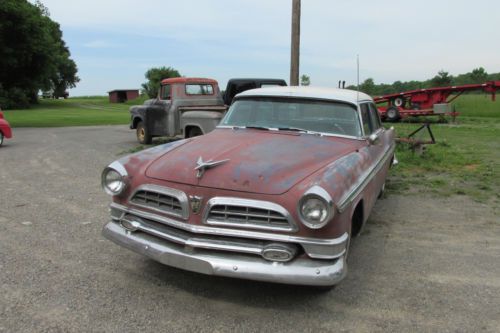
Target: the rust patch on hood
(258, 161)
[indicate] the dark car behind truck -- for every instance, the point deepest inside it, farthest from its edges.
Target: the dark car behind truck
(236, 86)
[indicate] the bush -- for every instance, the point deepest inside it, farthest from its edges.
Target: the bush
(14, 98)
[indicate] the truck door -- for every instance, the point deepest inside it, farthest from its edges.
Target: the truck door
(157, 118)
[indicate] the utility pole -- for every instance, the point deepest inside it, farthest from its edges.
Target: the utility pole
(295, 54)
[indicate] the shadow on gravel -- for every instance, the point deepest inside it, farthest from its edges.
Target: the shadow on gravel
(247, 292)
(270, 295)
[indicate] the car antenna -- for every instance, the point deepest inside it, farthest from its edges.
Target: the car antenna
(357, 61)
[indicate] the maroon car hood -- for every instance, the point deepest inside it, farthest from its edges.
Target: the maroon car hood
(258, 161)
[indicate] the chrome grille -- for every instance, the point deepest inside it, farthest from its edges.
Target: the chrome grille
(162, 199)
(158, 201)
(251, 214)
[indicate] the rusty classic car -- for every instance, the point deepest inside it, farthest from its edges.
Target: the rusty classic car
(274, 193)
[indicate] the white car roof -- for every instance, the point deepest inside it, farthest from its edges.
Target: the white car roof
(345, 95)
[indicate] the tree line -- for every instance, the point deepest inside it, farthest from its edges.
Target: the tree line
(33, 54)
(441, 79)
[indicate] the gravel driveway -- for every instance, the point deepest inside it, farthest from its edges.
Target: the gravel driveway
(422, 264)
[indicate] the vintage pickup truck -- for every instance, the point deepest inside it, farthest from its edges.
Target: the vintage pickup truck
(274, 193)
(184, 106)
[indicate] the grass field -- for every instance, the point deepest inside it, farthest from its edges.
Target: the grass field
(81, 111)
(477, 105)
(464, 161)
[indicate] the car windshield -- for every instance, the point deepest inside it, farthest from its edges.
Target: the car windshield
(294, 114)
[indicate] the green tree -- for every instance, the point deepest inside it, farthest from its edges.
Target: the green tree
(441, 79)
(478, 75)
(33, 55)
(154, 76)
(368, 86)
(305, 80)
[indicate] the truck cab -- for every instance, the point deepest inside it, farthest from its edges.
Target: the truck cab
(184, 106)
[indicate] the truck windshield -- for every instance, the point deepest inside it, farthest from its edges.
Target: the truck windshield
(294, 114)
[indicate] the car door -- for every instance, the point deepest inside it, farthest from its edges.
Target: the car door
(375, 150)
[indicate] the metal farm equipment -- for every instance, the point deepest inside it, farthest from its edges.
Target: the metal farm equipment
(428, 102)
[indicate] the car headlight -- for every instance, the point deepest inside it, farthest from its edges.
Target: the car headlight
(316, 208)
(113, 179)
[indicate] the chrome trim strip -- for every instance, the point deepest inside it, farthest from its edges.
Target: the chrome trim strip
(206, 242)
(363, 181)
(259, 204)
(315, 133)
(118, 167)
(179, 195)
(298, 271)
(231, 232)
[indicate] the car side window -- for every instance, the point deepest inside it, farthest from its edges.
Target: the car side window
(375, 117)
(365, 117)
(165, 92)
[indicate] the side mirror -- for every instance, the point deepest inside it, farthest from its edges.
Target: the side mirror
(373, 139)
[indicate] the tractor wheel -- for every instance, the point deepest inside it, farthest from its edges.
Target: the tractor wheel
(392, 114)
(143, 135)
(398, 101)
(1, 138)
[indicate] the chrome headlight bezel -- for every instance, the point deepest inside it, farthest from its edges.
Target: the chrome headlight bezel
(318, 194)
(120, 170)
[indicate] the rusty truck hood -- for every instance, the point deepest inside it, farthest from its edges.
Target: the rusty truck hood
(256, 161)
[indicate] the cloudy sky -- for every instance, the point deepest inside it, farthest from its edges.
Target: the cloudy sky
(114, 42)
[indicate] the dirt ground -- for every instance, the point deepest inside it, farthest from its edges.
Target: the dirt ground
(422, 264)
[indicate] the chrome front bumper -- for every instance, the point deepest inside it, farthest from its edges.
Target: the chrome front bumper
(300, 271)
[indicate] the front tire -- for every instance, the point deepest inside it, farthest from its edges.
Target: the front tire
(143, 135)
(1, 138)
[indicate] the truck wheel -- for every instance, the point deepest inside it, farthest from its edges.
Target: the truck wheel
(143, 135)
(194, 131)
(1, 138)
(392, 114)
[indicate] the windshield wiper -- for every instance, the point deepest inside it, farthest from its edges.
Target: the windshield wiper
(295, 129)
(258, 128)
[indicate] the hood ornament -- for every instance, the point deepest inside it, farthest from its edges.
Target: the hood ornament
(202, 166)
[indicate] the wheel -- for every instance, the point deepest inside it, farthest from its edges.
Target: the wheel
(194, 131)
(142, 134)
(392, 114)
(1, 138)
(398, 101)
